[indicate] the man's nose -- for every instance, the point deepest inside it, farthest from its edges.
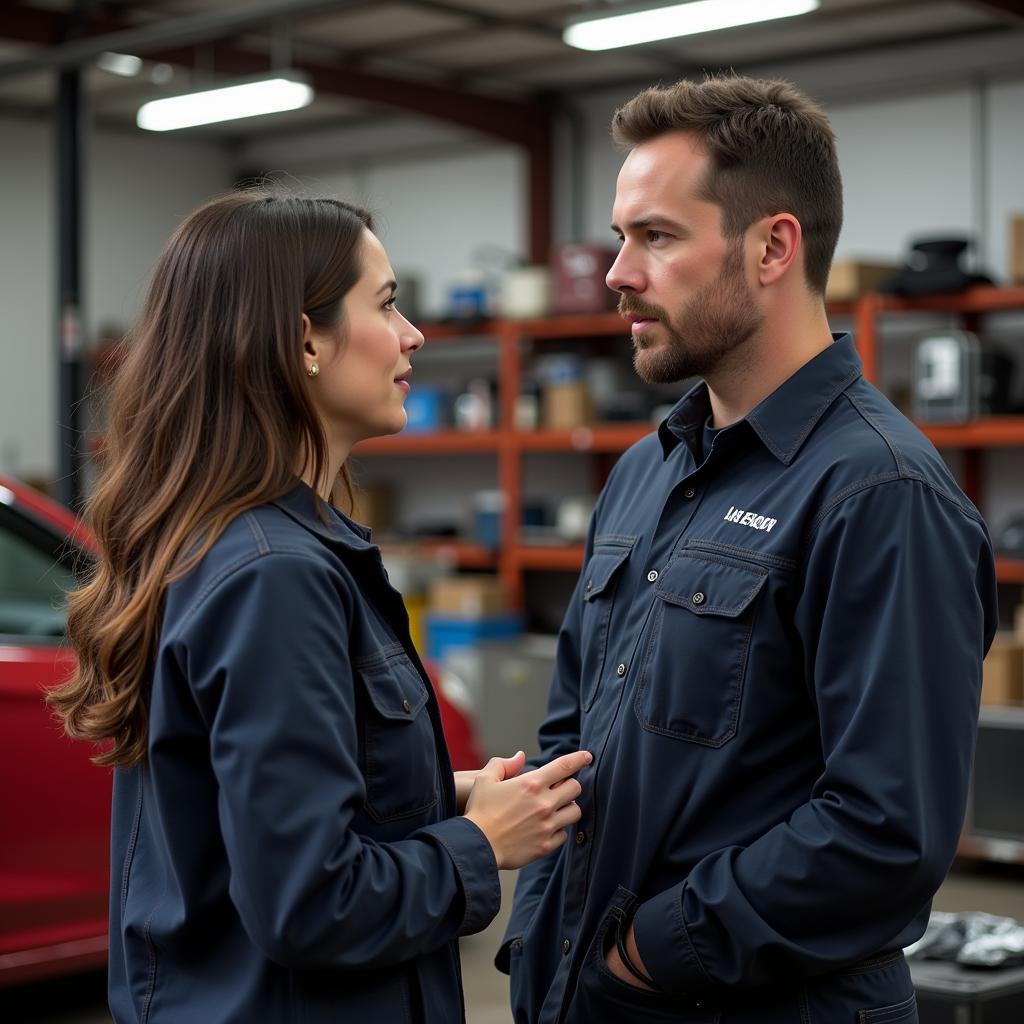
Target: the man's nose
(625, 275)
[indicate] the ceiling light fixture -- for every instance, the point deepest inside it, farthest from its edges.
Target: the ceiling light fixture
(668, 22)
(250, 97)
(124, 64)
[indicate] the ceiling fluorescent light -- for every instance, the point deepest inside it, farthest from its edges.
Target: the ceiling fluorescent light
(668, 22)
(124, 64)
(267, 94)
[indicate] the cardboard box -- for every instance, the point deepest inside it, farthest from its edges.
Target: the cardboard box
(849, 279)
(578, 279)
(567, 406)
(1017, 248)
(467, 597)
(1003, 671)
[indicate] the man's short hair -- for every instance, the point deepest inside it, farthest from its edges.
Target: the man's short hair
(772, 150)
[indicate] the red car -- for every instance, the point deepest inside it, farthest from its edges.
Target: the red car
(54, 803)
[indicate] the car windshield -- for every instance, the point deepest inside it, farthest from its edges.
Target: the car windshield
(36, 575)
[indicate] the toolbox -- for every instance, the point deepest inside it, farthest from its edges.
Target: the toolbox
(949, 993)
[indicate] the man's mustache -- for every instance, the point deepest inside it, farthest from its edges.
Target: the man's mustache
(631, 305)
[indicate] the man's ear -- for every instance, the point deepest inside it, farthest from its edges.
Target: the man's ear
(780, 239)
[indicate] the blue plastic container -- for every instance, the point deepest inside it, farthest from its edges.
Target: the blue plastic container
(427, 409)
(444, 632)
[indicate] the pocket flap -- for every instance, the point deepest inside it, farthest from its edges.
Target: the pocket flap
(601, 569)
(394, 686)
(707, 585)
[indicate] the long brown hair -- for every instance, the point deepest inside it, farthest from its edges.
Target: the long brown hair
(772, 150)
(211, 416)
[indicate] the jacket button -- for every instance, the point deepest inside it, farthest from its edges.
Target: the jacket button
(689, 492)
(698, 598)
(590, 586)
(517, 944)
(406, 705)
(652, 575)
(566, 946)
(581, 838)
(621, 670)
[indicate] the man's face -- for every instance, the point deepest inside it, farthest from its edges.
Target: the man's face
(681, 283)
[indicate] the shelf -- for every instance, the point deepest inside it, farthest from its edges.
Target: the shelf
(1004, 851)
(991, 432)
(447, 550)
(446, 442)
(1010, 570)
(563, 557)
(600, 437)
(984, 299)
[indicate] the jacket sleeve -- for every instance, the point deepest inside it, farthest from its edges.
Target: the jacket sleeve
(896, 613)
(559, 734)
(265, 653)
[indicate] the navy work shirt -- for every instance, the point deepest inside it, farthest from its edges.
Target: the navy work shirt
(774, 653)
(289, 851)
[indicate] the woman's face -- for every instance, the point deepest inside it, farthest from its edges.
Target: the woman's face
(362, 383)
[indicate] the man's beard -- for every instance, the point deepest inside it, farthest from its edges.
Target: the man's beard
(713, 324)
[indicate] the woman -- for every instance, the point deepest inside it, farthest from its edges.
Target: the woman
(289, 842)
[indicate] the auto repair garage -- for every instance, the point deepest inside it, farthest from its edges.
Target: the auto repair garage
(804, 712)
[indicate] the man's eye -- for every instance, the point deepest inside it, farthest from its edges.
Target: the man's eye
(655, 236)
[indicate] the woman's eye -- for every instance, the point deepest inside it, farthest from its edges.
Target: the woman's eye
(390, 304)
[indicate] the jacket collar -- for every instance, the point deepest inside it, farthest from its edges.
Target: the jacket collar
(306, 507)
(783, 420)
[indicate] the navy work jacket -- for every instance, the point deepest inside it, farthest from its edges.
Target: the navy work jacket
(289, 851)
(774, 654)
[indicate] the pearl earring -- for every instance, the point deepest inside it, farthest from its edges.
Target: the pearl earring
(313, 370)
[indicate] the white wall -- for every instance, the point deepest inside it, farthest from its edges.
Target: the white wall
(439, 195)
(135, 191)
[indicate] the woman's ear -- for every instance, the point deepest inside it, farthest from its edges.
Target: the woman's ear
(780, 241)
(309, 345)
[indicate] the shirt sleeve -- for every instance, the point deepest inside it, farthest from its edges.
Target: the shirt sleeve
(266, 656)
(896, 613)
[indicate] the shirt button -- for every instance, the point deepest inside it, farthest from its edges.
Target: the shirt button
(566, 946)
(652, 575)
(698, 598)
(581, 838)
(406, 706)
(621, 670)
(689, 492)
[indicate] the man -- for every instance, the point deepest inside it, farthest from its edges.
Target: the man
(774, 649)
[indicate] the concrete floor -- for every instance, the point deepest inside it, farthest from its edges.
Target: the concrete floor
(81, 1000)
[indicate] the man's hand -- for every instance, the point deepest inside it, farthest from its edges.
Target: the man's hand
(464, 781)
(620, 970)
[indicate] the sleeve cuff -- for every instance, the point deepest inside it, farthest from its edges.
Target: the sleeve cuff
(665, 947)
(476, 867)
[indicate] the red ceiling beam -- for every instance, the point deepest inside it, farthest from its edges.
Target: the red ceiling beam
(1015, 8)
(524, 123)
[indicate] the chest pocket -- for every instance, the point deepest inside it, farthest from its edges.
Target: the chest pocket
(600, 581)
(695, 657)
(399, 759)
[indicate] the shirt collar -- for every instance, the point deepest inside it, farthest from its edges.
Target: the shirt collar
(304, 506)
(783, 420)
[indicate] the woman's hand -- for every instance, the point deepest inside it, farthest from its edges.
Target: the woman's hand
(464, 780)
(525, 818)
